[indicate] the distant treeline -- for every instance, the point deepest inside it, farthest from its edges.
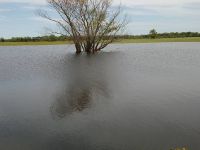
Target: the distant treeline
(36, 39)
(163, 35)
(64, 38)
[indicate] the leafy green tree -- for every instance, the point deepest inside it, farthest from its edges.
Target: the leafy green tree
(2, 40)
(153, 33)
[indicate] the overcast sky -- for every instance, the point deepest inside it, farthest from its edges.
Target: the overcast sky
(18, 18)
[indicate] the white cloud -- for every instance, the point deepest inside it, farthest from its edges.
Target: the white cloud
(40, 19)
(176, 8)
(5, 10)
(35, 2)
(152, 2)
(123, 2)
(2, 18)
(164, 15)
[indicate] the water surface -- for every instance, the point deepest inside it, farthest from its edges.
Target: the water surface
(129, 97)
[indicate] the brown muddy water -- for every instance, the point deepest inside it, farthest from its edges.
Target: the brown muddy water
(129, 97)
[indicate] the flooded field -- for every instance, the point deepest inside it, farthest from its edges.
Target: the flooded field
(129, 97)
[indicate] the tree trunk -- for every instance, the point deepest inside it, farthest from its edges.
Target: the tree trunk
(78, 48)
(88, 48)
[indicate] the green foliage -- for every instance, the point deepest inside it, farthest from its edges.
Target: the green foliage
(121, 41)
(174, 36)
(2, 40)
(34, 43)
(36, 39)
(170, 35)
(153, 33)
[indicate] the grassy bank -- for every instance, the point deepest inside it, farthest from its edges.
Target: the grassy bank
(33, 43)
(193, 39)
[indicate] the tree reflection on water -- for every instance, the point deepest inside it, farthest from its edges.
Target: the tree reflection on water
(86, 80)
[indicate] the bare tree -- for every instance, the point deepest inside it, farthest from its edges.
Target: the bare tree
(92, 24)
